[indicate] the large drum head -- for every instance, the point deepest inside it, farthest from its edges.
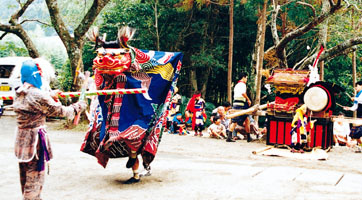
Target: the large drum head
(316, 99)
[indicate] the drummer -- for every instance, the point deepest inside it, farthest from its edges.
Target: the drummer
(356, 131)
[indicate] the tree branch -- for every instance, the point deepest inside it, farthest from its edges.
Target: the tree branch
(20, 12)
(8, 28)
(89, 18)
(280, 47)
(353, 5)
(35, 20)
(58, 23)
(3, 35)
(220, 4)
(273, 24)
(308, 5)
(333, 52)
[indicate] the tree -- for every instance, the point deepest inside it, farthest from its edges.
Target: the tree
(73, 39)
(259, 51)
(15, 27)
(279, 50)
(74, 42)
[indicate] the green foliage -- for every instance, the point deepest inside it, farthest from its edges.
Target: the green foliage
(65, 77)
(9, 48)
(89, 54)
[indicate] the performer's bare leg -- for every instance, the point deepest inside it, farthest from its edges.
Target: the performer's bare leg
(135, 169)
(132, 159)
(136, 176)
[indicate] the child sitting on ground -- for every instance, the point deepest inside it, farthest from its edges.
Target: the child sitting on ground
(341, 131)
(217, 130)
(178, 124)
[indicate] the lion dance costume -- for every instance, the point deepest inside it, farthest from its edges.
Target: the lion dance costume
(125, 124)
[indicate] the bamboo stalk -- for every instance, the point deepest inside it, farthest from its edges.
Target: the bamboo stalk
(262, 150)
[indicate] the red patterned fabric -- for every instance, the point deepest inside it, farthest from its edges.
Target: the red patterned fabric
(288, 104)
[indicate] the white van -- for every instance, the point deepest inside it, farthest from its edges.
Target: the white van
(9, 81)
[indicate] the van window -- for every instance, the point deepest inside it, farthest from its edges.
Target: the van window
(5, 70)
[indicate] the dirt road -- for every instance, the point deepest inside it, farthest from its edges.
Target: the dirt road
(186, 167)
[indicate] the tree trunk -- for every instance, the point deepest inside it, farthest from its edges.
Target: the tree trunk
(156, 27)
(205, 79)
(260, 53)
(354, 64)
(30, 46)
(323, 33)
(74, 44)
(231, 43)
(193, 81)
(75, 59)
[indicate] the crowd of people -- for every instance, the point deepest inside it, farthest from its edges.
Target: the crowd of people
(221, 127)
(230, 130)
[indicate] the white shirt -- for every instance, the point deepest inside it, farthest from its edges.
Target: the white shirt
(239, 90)
(216, 128)
(341, 129)
(357, 100)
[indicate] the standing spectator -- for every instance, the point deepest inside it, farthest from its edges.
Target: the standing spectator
(196, 107)
(241, 101)
(216, 129)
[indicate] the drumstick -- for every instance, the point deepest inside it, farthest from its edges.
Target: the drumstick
(339, 105)
(348, 95)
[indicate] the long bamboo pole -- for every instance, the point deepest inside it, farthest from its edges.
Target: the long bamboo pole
(92, 93)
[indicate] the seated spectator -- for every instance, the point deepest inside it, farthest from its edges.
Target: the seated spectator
(216, 129)
(178, 125)
(254, 129)
(341, 131)
(227, 106)
(221, 113)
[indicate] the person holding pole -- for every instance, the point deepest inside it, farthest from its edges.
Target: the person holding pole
(241, 101)
(32, 148)
(356, 131)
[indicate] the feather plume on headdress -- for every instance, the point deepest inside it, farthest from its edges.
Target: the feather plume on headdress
(93, 34)
(125, 33)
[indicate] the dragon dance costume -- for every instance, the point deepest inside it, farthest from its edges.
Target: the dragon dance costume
(32, 146)
(129, 123)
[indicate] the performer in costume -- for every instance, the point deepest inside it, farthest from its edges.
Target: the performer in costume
(130, 124)
(241, 101)
(196, 106)
(356, 131)
(300, 128)
(32, 147)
